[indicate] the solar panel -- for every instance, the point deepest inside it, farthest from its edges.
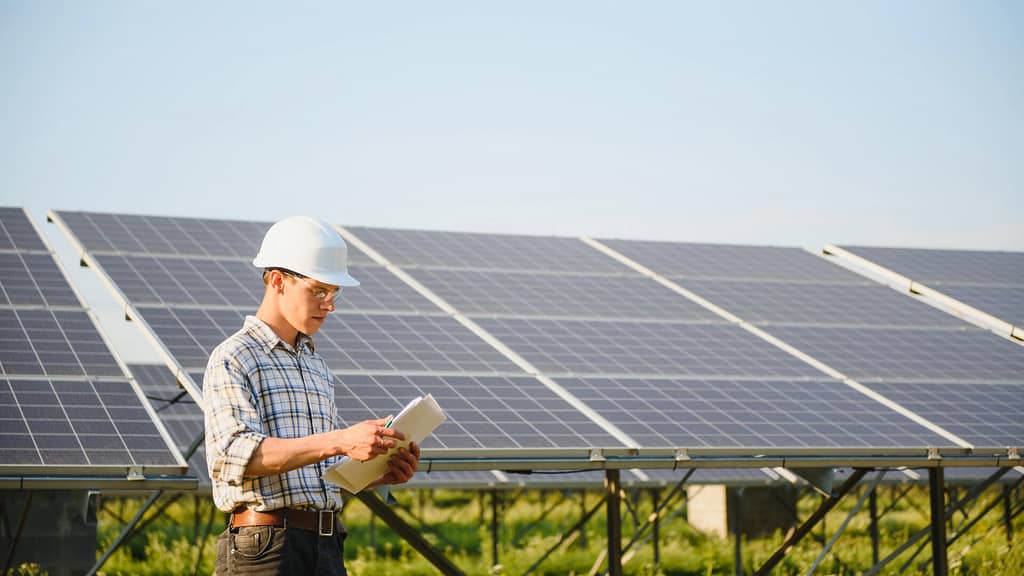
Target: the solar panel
(17, 232)
(96, 423)
(948, 266)
(475, 292)
(1005, 302)
(483, 412)
(53, 343)
(747, 413)
(732, 262)
(821, 304)
(420, 248)
(983, 414)
(568, 347)
(451, 479)
(31, 279)
(178, 412)
(101, 233)
(896, 354)
(176, 281)
(349, 342)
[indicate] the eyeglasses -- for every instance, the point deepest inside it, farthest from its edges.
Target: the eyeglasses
(319, 292)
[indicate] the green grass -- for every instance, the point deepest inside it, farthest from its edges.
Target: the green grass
(458, 523)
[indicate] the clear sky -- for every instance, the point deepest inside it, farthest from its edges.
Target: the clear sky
(790, 123)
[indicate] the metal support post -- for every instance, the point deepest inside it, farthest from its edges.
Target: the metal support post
(1007, 518)
(124, 533)
(583, 514)
(873, 510)
(408, 533)
(654, 527)
(936, 485)
(613, 491)
(813, 520)
(975, 492)
(494, 527)
(733, 510)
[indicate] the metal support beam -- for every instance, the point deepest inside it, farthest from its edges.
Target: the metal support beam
(613, 491)
(812, 521)
(583, 514)
(988, 508)
(581, 526)
(975, 492)
(846, 522)
(17, 532)
(408, 533)
(936, 485)
(124, 533)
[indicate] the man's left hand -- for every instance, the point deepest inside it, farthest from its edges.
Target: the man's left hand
(402, 465)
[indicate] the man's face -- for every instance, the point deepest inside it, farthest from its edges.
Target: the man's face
(307, 302)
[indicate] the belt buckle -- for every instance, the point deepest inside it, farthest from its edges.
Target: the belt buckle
(321, 515)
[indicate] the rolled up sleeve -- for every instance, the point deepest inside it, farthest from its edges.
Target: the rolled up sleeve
(234, 428)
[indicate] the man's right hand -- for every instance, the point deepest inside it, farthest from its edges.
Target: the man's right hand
(369, 439)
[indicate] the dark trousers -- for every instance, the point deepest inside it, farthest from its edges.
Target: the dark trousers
(272, 551)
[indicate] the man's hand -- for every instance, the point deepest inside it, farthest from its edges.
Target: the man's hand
(369, 439)
(402, 465)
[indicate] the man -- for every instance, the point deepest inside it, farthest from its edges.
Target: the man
(271, 424)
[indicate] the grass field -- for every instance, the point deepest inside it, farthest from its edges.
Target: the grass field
(532, 522)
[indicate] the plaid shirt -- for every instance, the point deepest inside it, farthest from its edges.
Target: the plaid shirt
(256, 385)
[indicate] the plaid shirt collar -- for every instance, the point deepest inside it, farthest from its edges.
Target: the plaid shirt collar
(269, 339)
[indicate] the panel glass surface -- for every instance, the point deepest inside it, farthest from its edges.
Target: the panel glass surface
(643, 348)
(886, 354)
(936, 267)
(33, 279)
(148, 280)
(483, 412)
(76, 422)
(349, 342)
(732, 262)
(737, 476)
(836, 304)
(450, 479)
(748, 413)
(53, 343)
(17, 232)
(421, 248)
(1004, 302)
(564, 295)
(983, 414)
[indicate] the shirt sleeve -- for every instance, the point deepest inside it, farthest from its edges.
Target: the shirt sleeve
(234, 429)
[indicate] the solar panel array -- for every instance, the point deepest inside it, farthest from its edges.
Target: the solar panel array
(910, 352)
(621, 359)
(990, 281)
(600, 330)
(67, 409)
(386, 343)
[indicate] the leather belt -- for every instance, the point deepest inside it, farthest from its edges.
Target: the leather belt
(320, 521)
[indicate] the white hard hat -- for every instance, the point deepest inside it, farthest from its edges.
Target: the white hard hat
(309, 247)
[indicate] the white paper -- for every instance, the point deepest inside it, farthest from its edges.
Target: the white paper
(417, 420)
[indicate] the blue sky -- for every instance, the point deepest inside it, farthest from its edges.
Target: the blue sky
(791, 123)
